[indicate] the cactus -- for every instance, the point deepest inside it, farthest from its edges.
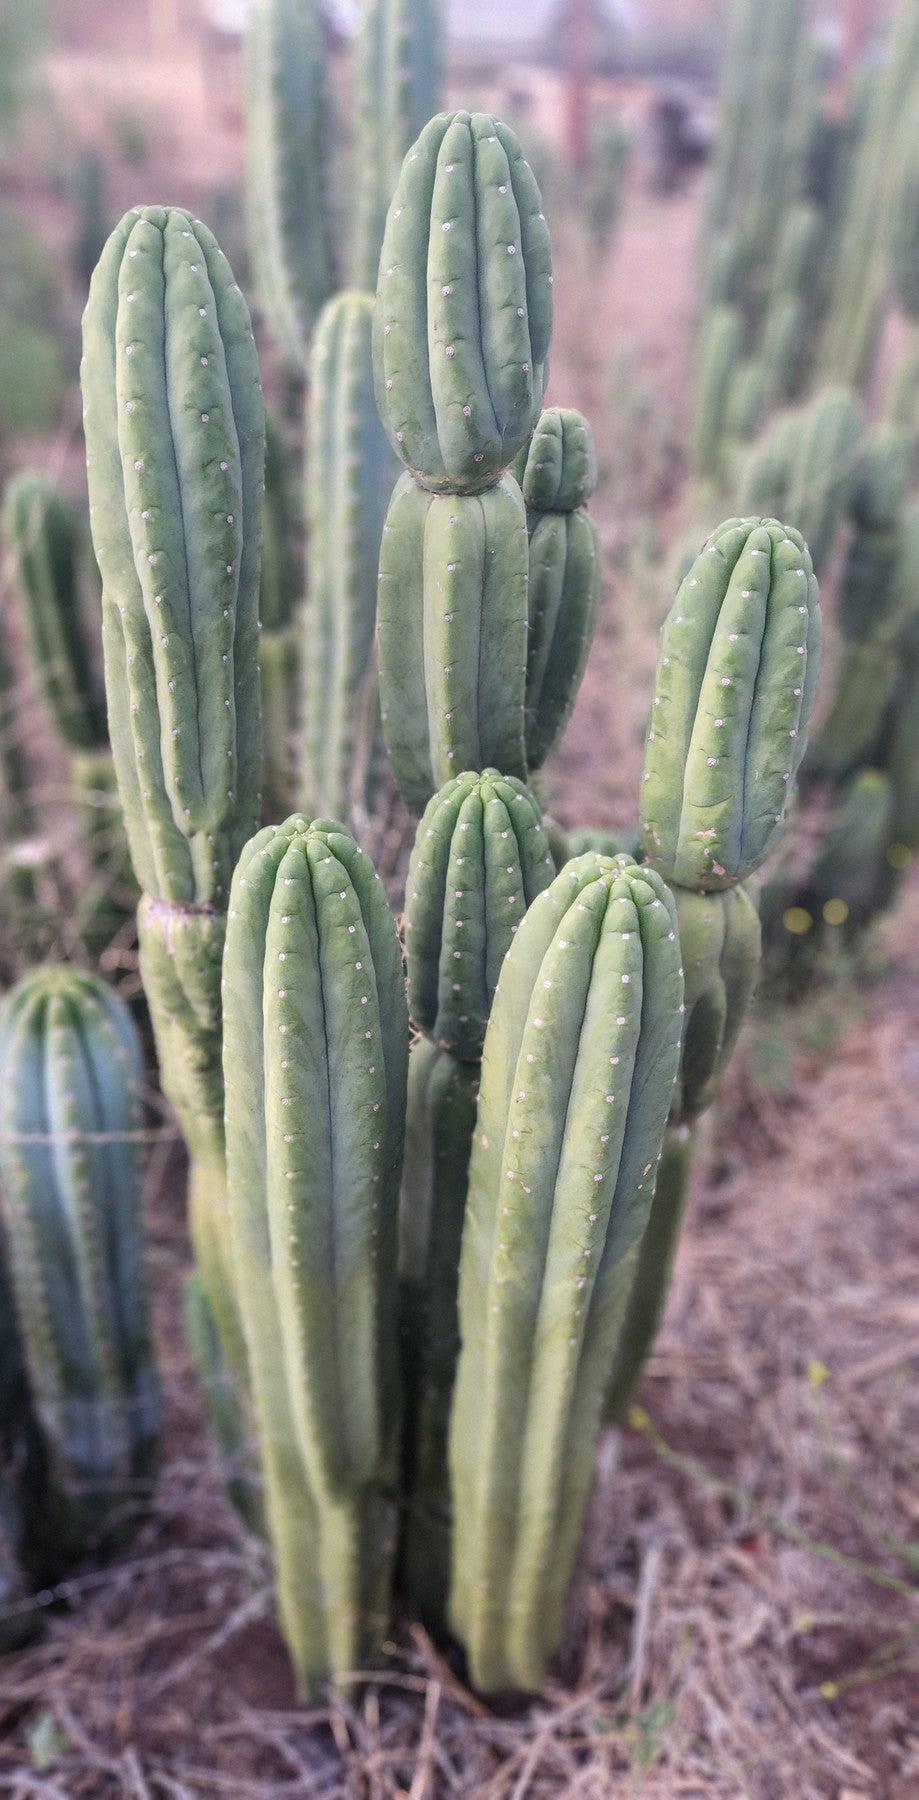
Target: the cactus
(852, 877)
(42, 536)
(279, 596)
(733, 695)
(70, 1109)
(288, 142)
(557, 478)
(399, 58)
(351, 472)
(580, 1057)
(720, 946)
(480, 858)
(745, 402)
(763, 481)
(850, 735)
(453, 634)
(823, 466)
(720, 351)
(781, 353)
(464, 312)
(602, 841)
(175, 454)
(315, 1048)
(440, 1117)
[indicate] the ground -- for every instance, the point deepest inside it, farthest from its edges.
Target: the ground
(747, 1622)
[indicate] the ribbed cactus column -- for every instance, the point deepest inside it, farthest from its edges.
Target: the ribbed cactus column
(175, 454)
(71, 1077)
(289, 140)
(315, 1047)
(280, 589)
(351, 471)
(736, 676)
(558, 474)
(481, 857)
(461, 337)
(580, 1058)
(46, 548)
(399, 78)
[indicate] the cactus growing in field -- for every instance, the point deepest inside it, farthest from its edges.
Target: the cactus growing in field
(720, 352)
(822, 469)
(733, 694)
(70, 1108)
(453, 634)
(557, 475)
(175, 453)
(288, 154)
(480, 859)
(461, 368)
(315, 1047)
(399, 57)
(350, 476)
(580, 1058)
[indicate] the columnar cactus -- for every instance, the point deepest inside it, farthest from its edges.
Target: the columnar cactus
(480, 859)
(720, 352)
(42, 538)
(70, 1111)
(733, 693)
(822, 469)
(279, 596)
(453, 634)
(580, 1058)
(464, 313)
(439, 1122)
(350, 476)
(315, 1048)
(288, 155)
(399, 73)
(557, 477)
(175, 452)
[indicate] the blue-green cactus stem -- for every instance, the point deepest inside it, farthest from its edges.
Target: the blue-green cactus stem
(733, 694)
(351, 472)
(315, 1050)
(453, 634)
(853, 876)
(762, 482)
(480, 858)
(42, 537)
(70, 1116)
(399, 79)
(652, 1267)
(852, 732)
(558, 474)
(175, 450)
(602, 841)
(580, 1058)
(464, 304)
(289, 144)
(719, 356)
(440, 1117)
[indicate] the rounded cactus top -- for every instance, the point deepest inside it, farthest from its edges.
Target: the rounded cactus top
(558, 473)
(480, 857)
(464, 304)
(735, 683)
(56, 999)
(175, 453)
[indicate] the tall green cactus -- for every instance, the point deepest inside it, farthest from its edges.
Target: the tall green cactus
(315, 1047)
(733, 694)
(351, 472)
(280, 587)
(580, 1058)
(70, 1110)
(399, 74)
(822, 469)
(720, 352)
(557, 477)
(175, 452)
(288, 154)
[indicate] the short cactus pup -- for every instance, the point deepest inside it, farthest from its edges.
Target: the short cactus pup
(71, 1086)
(461, 338)
(736, 676)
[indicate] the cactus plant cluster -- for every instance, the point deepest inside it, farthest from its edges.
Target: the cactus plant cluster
(78, 1399)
